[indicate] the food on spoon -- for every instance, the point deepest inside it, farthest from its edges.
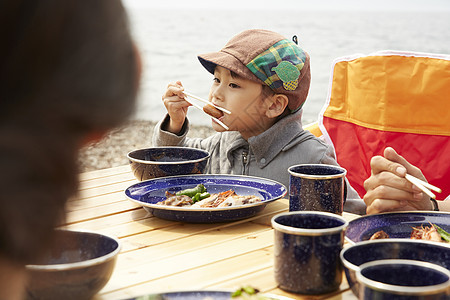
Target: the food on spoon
(199, 197)
(212, 111)
(429, 233)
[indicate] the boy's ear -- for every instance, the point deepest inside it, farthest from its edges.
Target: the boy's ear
(277, 105)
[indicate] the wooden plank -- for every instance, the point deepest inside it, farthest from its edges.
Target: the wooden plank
(123, 225)
(80, 204)
(188, 243)
(104, 172)
(279, 206)
(199, 278)
(264, 280)
(147, 238)
(103, 190)
(100, 211)
(205, 255)
(175, 233)
(345, 295)
(254, 269)
(104, 223)
(106, 181)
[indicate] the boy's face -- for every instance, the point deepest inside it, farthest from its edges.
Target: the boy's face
(243, 98)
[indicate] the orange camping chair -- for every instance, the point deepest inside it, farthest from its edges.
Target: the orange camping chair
(395, 99)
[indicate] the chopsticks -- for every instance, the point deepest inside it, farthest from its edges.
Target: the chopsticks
(207, 102)
(424, 186)
(201, 108)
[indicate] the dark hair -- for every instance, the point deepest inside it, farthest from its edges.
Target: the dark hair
(68, 69)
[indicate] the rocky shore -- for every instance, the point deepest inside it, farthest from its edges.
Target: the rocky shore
(111, 151)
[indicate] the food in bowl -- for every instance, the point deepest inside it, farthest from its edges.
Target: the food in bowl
(199, 197)
(149, 163)
(423, 232)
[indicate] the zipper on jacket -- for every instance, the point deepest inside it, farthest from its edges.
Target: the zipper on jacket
(244, 161)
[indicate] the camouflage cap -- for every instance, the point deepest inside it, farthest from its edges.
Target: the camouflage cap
(266, 57)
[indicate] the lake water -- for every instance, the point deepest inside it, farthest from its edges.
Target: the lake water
(170, 40)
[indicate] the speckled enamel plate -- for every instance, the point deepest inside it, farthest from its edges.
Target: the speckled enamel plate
(200, 295)
(148, 193)
(395, 224)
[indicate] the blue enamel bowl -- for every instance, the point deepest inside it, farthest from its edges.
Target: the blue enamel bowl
(398, 279)
(395, 224)
(78, 266)
(202, 295)
(156, 162)
(354, 256)
(148, 193)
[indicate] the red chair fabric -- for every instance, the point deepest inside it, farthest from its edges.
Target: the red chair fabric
(397, 99)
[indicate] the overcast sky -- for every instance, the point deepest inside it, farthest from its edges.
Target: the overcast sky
(404, 5)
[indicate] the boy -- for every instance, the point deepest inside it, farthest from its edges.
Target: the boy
(263, 79)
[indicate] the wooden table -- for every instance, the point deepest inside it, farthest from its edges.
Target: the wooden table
(159, 255)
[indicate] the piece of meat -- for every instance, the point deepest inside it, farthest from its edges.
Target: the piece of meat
(214, 200)
(379, 235)
(174, 200)
(426, 233)
(223, 196)
(239, 200)
(212, 111)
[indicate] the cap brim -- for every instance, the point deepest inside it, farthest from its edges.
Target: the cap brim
(228, 61)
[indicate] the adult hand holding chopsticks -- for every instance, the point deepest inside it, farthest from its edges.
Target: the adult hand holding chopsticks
(388, 189)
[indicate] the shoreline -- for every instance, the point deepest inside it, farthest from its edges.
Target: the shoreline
(111, 150)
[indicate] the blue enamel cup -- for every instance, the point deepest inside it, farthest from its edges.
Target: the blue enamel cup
(306, 251)
(317, 187)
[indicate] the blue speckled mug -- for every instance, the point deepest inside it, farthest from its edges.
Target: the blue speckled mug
(317, 187)
(399, 279)
(306, 251)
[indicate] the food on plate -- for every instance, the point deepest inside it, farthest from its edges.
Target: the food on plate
(199, 197)
(444, 234)
(426, 233)
(379, 235)
(244, 293)
(429, 233)
(212, 111)
(248, 292)
(196, 194)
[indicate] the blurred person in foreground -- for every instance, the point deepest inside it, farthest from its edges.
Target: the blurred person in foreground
(69, 72)
(388, 190)
(263, 79)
